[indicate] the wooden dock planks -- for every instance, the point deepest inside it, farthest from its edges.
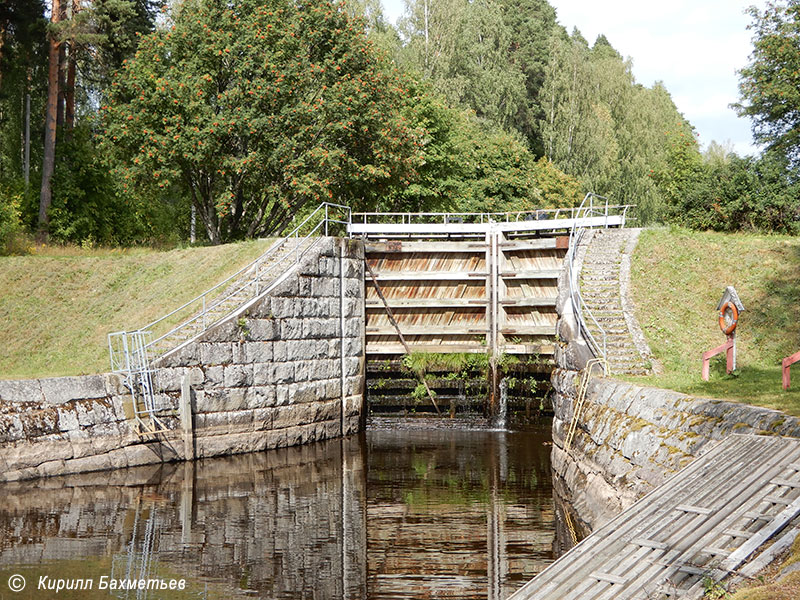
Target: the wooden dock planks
(705, 521)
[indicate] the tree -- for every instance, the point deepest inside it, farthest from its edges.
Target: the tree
(257, 109)
(463, 49)
(23, 63)
(48, 160)
(770, 84)
(531, 23)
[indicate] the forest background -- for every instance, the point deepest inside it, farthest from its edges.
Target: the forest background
(119, 119)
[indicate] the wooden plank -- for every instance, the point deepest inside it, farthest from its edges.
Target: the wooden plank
(609, 578)
(387, 348)
(528, 302)
(691, 569)
(698, 510)
(529, 330)
(532, 274)
(429, 275)
(650, 544)
(643, 515)
(785, 483)
(429, 303)
(772, 528)
(763, 463)
(399, 335)
(717, 551)
(548, 243)
(426, 330)
(425, 247)
(737, 533)
(757, 516)
(543, 349)
(377, 348)
(602, 543)
(766, 557)
(773, 499)
(742, 496)
(708, 486)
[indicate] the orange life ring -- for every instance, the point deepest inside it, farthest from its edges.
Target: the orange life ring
(728, 329)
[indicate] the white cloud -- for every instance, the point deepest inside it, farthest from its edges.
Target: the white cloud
(694, 47)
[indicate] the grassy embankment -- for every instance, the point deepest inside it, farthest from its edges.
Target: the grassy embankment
(58, 305)
(678, 277)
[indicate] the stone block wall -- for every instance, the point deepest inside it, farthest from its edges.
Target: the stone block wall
(630, 439)
(285, 369)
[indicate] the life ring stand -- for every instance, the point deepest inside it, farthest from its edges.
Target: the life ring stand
(728, 329)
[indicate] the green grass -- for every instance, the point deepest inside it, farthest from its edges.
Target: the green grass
(58, 305)
(678, 277)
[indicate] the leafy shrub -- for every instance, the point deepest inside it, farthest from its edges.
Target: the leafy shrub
(12, 197)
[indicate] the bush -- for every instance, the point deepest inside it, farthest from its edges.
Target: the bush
(12, 198)
(742, 194)
(90, 208)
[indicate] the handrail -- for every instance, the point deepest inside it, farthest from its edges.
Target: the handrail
(482, 217)
(251, 282)
(578, 305)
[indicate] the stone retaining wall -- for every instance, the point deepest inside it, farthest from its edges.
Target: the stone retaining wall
(630, 439)
(285, 369)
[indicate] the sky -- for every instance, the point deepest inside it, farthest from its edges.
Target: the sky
(694, 46)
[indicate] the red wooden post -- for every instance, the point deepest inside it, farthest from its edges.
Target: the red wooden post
(727, 347)
(788, 362)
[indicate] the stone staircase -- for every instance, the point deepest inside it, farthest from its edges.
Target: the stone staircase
(223, 301)
(603, 284)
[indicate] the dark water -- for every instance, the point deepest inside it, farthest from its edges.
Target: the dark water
(394, 513)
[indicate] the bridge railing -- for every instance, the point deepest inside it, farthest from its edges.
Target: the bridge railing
(252, 280)
(451, 218)
(592, 206)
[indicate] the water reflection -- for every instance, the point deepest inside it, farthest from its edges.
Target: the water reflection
(393, 514)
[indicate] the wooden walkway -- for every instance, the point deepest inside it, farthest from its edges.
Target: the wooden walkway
(706, 521)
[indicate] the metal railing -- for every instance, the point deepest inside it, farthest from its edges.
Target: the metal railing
(249, 282)
(542, 214)
(587, 209)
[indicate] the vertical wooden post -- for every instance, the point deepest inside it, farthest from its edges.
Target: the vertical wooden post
(788, 362)
(787, 377)
(186, 418)
(343, 382)
(727, 347)
(491, 289)
(730, 354)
